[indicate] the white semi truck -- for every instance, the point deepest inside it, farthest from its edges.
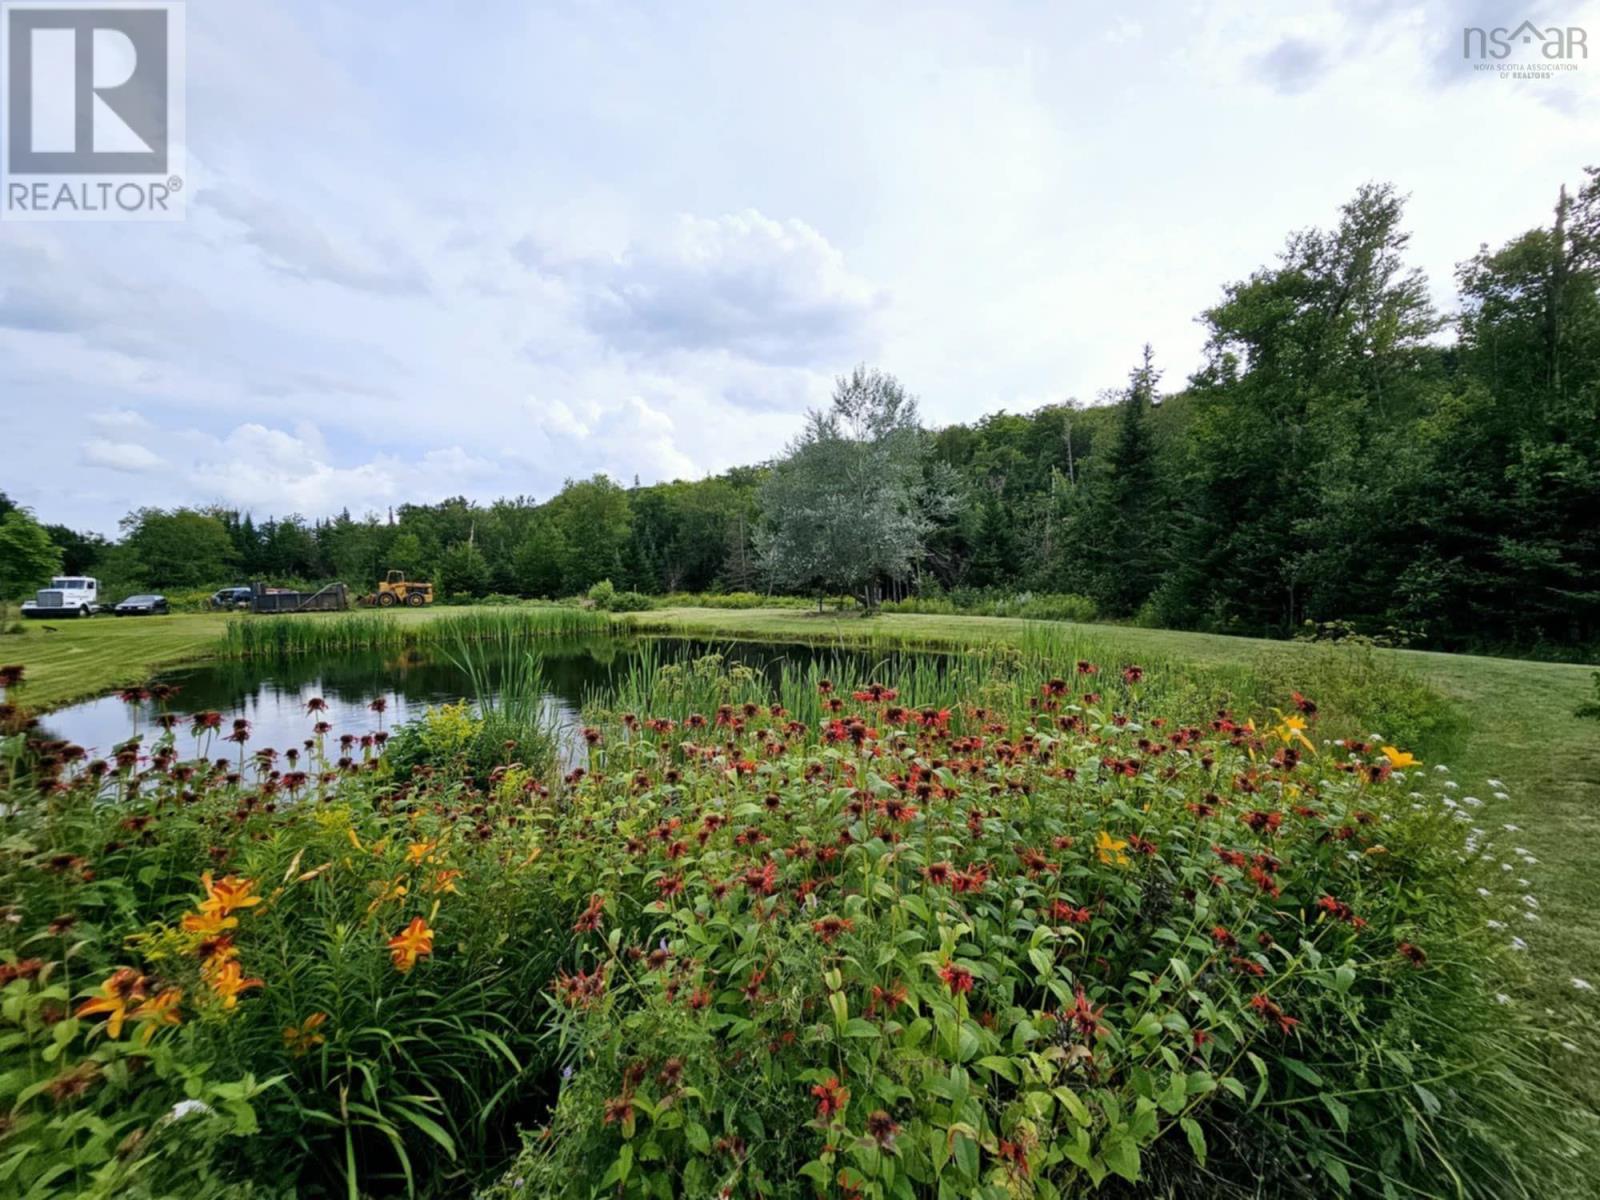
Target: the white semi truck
(67, 596)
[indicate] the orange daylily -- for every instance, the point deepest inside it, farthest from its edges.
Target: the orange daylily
(215, 950)
(411, 943)
(122, 987)
(160, 1009)
(418, 852)
(228, 894)
(227, 982)
(301, 1039)
(208, 922)
(445, 881)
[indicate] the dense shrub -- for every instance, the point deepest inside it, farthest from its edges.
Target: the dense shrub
(607, 598)
(1036, 606)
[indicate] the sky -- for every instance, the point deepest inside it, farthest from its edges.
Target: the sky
(436, 250)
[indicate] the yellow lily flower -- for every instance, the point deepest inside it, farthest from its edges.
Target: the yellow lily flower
(1111, 850)
(159, 1010)
(1401, 759)
(419, 852)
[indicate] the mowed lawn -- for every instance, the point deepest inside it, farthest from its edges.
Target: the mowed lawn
(74, 660)
(1521, 729)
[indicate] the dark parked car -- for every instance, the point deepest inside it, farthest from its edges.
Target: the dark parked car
(142, 606)
(232, 597)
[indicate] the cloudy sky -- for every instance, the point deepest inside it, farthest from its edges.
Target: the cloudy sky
(442, 249)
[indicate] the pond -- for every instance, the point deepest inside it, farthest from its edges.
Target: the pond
(272, 693)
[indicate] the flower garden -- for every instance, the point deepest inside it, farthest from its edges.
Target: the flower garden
(1014, 926)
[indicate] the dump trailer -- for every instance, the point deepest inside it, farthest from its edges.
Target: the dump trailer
(397, 589)
(333, 598)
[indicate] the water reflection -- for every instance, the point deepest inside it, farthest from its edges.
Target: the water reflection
(272, 694)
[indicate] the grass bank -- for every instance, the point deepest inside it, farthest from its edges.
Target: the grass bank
(75, 660)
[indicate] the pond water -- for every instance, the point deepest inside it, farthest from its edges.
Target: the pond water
(272, 694)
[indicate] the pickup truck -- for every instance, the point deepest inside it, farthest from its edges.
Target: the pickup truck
(67, 596)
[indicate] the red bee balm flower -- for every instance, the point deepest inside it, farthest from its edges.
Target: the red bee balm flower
(957, 978)
(830, 927)
(831, 1098)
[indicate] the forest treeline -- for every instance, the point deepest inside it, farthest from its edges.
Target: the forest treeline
(1347, 453)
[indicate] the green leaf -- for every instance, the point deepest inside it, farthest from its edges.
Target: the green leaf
(1002, 1067)
(1122, 1156)
(966, 1155)
(841, 1008)
(699, 1140)
(1336, 1171)
(1339, 1110)
(1197, 1138)
(1069, 1101)
(1430, 1102)
(428, 1126)
(1175, 1097)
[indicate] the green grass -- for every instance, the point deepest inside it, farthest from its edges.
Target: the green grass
(74, 660)
(253, 637)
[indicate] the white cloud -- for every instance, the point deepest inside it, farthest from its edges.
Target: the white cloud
(769, 290)
(121, 456)
(295, 243)
(583, 256)
(124, 420)
(270, 470)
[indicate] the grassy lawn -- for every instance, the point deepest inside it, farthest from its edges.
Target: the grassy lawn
(73, 660)
(1520, 723)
